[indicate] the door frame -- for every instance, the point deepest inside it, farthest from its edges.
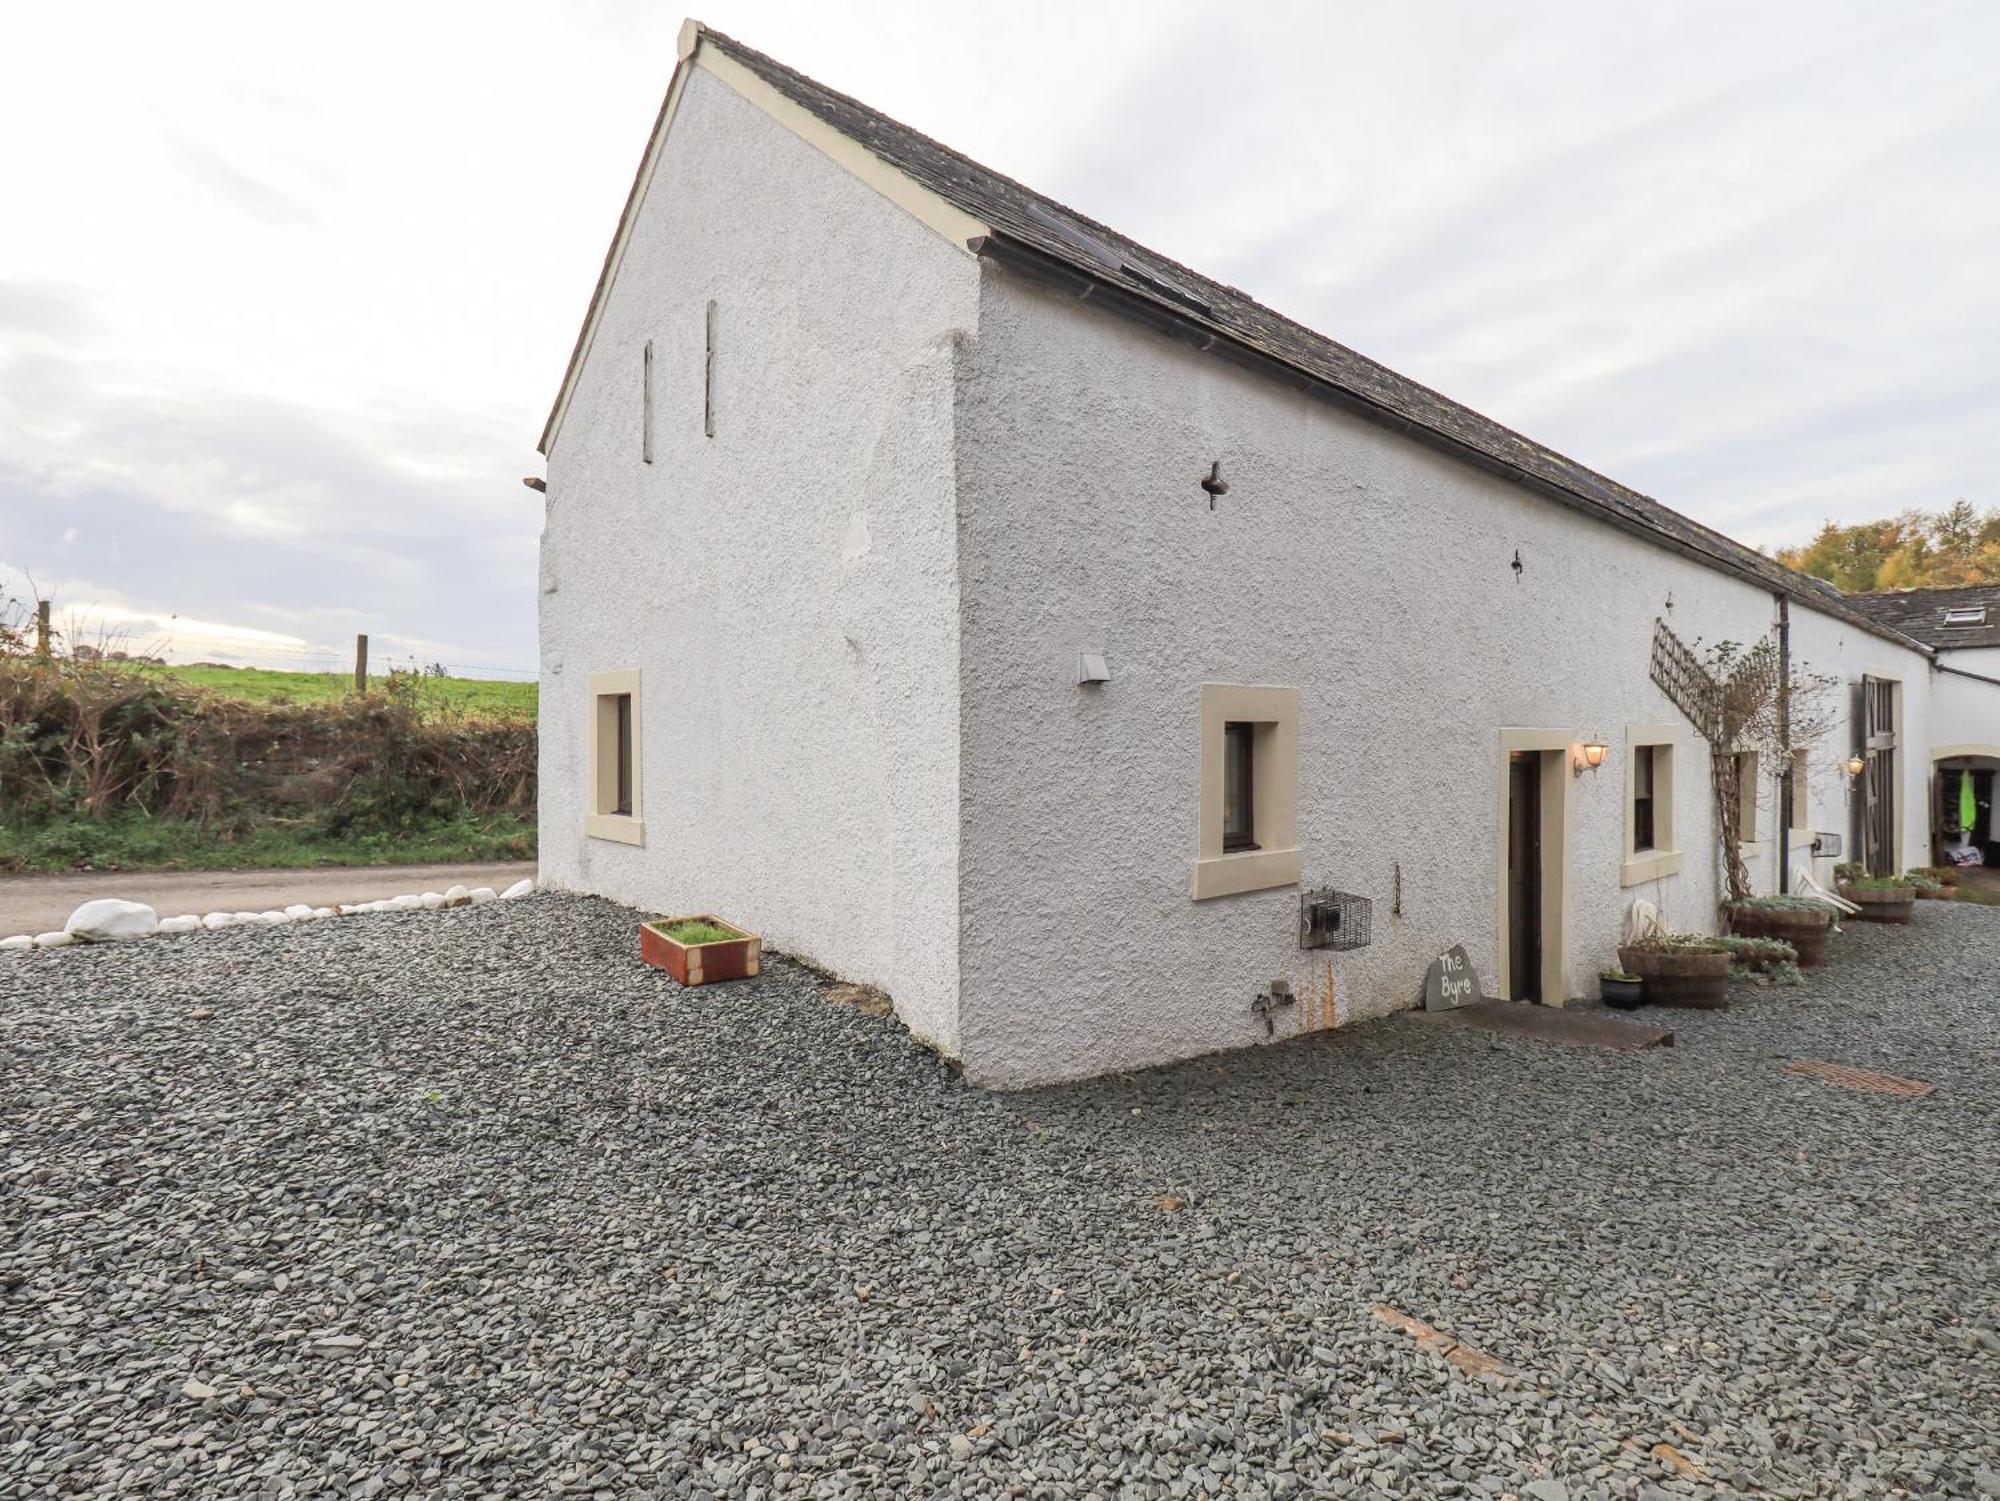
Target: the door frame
(1554, 748)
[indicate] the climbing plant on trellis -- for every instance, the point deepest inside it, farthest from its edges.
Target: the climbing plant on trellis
(1730, 694)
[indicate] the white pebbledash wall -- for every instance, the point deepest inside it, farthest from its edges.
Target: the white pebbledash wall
(1369, 572)
(787, 588)
(1967, 716)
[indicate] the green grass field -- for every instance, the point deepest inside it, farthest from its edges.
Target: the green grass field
(134, 841)
(507, 700)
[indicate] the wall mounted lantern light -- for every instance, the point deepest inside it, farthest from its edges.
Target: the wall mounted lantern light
(1589, 756)
(1092, 668)
(1854, 765)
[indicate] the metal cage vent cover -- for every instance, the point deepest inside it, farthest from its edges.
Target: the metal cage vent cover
(1331, 919)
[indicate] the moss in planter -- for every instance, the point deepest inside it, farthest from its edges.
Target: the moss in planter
(1881, 883)
(693, 931)
(1785, 903)
(1758, 953)
(1618, 976)
(1679, 943)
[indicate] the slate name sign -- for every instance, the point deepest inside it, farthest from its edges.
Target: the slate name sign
(1451, 981)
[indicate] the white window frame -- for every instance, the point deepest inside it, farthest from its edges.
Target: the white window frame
(599, 819)
(1274, 790)
(1664, 858)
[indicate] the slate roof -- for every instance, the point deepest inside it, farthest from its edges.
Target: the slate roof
(1028, 225)
(1920, 613)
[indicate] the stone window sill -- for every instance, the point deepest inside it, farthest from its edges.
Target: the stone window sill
(1252, 870)
(615, 826)
(1638, 869)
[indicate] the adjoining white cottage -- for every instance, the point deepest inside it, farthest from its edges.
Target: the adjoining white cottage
(988, 609)
(1961, 626)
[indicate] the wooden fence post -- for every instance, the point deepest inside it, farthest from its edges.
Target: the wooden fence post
(42, 648)
(360, 664)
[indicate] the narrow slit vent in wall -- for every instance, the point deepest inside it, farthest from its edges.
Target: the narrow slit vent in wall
(646, 408)
(708, 373)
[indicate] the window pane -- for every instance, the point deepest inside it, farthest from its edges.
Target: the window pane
(624, 803)
(1238, 789)
(1642, 799)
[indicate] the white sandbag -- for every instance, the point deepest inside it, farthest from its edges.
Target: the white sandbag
(407, 902)
(53, 940)
(216, 920)
(456, 893)
(432, 900)
(522, 887)
(271, 919)
(324, 912)
(299, 911)
(483, 894)
(19, 943)
(178, 925)
(109, 920)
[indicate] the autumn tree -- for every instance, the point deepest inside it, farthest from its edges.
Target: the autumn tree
(1913, 550)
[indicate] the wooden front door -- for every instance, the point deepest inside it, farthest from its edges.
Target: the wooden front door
(1524, 875)
(1878, 780)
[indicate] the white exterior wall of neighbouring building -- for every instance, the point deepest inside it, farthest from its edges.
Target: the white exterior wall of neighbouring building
(1967, 717)
(787, 589)
(1369, 572)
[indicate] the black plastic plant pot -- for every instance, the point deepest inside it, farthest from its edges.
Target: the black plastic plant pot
(1626, 995)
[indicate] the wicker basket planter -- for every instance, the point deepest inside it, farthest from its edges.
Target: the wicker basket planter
(703, 963)
(1680, 976)
(1882, 903)
(1804, 930)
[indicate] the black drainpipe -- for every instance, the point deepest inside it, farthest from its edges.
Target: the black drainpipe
(1785, 744)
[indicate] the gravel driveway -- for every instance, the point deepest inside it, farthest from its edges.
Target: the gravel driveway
(474, 1204)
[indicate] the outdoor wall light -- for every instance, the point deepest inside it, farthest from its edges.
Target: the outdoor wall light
(1589, 756)
(1854, 765)
(1092, 668)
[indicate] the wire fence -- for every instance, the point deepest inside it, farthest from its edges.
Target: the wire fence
(78, 633)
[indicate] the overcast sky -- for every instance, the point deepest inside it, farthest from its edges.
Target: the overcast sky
(285, 292)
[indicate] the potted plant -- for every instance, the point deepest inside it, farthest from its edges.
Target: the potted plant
(1616, 988)
(1680, 969)
(1800, 921)
(1879, 898)
(1761, 959)
(700, 949)
(1932, 885)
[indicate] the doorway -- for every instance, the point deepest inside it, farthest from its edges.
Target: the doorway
(1531, 793)
(1524, 875)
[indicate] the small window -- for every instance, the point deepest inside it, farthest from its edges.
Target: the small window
(1642, 798)
(1239, 788)
(1966, 615)
(1247, 825)
(1650, 850)
(1746, 796)
(614, 808)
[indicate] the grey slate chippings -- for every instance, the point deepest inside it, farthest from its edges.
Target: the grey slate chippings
(475, 1204)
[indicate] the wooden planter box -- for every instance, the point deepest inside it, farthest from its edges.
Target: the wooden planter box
(1680, 978)
(1804, 931)
(1894, 905)
(701, 963)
